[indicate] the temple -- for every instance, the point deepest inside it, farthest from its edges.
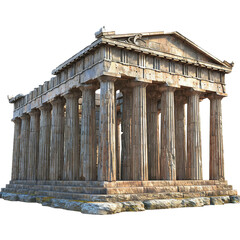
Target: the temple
(112, 126)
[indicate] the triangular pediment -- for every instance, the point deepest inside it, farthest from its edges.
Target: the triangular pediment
(171, 43)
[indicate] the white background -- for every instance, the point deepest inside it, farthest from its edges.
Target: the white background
(36, 36)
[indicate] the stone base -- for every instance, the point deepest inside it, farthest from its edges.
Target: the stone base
(101, 197)
(102, 208)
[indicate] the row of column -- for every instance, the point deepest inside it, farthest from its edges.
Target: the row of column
(48, 146)
(146, 155)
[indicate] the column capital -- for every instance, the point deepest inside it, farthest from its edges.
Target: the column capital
(46, 107)
(106, 77)
(192, 91)
(89, 87)
(165, 87)
(73, 93)
(58, 100)
(34, 112)
(215, 96)
(138, 83)
(16, 120)
(25, 116)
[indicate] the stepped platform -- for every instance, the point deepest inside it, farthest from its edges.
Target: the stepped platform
(119, 191)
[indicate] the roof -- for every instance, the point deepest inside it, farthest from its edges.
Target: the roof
(104, 37)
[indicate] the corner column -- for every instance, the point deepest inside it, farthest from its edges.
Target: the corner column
(44, 142)
(127, 161)
(139, 133)
(16, 148)
(194, 145)
(153, 135)
(180, 135)
(33, 144)
(71, 136)
(88, 170)
(107, 131)
(57, 139)
(24, 146)
(168, 152)
(216, 170)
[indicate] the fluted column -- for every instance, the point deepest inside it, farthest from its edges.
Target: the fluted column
(107, 130)
(216, 139)
(44, 142)
(71, 137)
(168, 152)
(118, 145)
(24, 146)
(180, 136)
(153, 135)
(194, 147)
(127, 158)
(139, 133)
(16, 148)
(57, 139)
(88, 169)
(33, 144)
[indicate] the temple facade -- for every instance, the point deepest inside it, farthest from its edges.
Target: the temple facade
(112, 125)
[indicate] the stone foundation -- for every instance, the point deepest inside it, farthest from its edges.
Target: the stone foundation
(102, 208)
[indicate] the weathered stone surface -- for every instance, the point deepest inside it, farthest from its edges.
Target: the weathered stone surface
(216, 201)
(192, 202)
(101, 208)
(58, 203)
(234, 199)
(26, 198)
(162, 203)
(225, 199)
(73, 205)
(206, 200)
(10, 196)
(133, 206)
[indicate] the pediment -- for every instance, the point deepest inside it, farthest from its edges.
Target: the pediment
(172, 43)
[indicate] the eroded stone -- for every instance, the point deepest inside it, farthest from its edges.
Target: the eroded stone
(216, 201)
(192, 202)
(235, 199)
(101, 208)
(10, 196)
(162, 203)
(133, 206)
(26, 198)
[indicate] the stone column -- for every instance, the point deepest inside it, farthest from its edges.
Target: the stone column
(24, 146)
(180, 136)
(127, 157)
(71, 137)
(16, 148)
(57, 139)
(107, 130)
(168, 152)
(216, 169)
(139, 133)
(118, 145)
(33, 144)
(88, 169)
(194, 148)
(44, 142)
(153, 135)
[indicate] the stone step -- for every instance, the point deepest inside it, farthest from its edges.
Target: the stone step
(120, 190)
(155, 183)
(74, 189)
(120, 197)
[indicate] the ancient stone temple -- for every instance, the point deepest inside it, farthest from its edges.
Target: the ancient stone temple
(111, 133)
